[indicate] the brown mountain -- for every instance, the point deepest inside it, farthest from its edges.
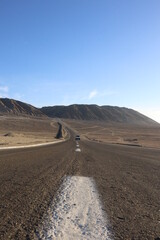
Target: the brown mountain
(14, 107)
(95, 112)
(75, 111)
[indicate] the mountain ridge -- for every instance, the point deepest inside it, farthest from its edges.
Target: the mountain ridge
(76, 111)
(15, 107)
(95, 112)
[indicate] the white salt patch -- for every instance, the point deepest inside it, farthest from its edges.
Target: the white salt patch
(32, 145)
(78, 150)
(78, 213)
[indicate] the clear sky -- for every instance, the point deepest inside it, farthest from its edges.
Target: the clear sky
(106, 52)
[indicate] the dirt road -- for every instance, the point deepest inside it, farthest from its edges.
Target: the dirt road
(127, 179)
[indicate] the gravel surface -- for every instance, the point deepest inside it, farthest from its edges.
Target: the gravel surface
(127, 179)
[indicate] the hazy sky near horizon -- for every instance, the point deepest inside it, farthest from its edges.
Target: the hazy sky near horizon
(104, 52)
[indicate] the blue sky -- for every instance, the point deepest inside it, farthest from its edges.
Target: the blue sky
(106, 52)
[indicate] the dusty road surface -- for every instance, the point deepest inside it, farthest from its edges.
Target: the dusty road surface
(127, 179)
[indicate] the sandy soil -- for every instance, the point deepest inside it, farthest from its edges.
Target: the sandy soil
(17, 131)
(118, 133)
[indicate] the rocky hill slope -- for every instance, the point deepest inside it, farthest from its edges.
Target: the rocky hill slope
(95, 112)
(13, 107)
(75, 111)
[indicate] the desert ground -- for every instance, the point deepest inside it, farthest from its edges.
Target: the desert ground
(123, 161)
(134, 135)
(18, 131)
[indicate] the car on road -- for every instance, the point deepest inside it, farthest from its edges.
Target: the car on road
(77, 137)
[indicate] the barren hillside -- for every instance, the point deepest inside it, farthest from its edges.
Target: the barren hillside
(13, 107)
(95, 112)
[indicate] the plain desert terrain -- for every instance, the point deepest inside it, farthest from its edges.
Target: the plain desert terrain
(18, 131)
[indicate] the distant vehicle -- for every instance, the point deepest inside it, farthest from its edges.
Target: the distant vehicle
(77, 137)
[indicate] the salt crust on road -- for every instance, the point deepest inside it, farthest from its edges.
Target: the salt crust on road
(32, 145)
(78, 150)
(76, 213)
